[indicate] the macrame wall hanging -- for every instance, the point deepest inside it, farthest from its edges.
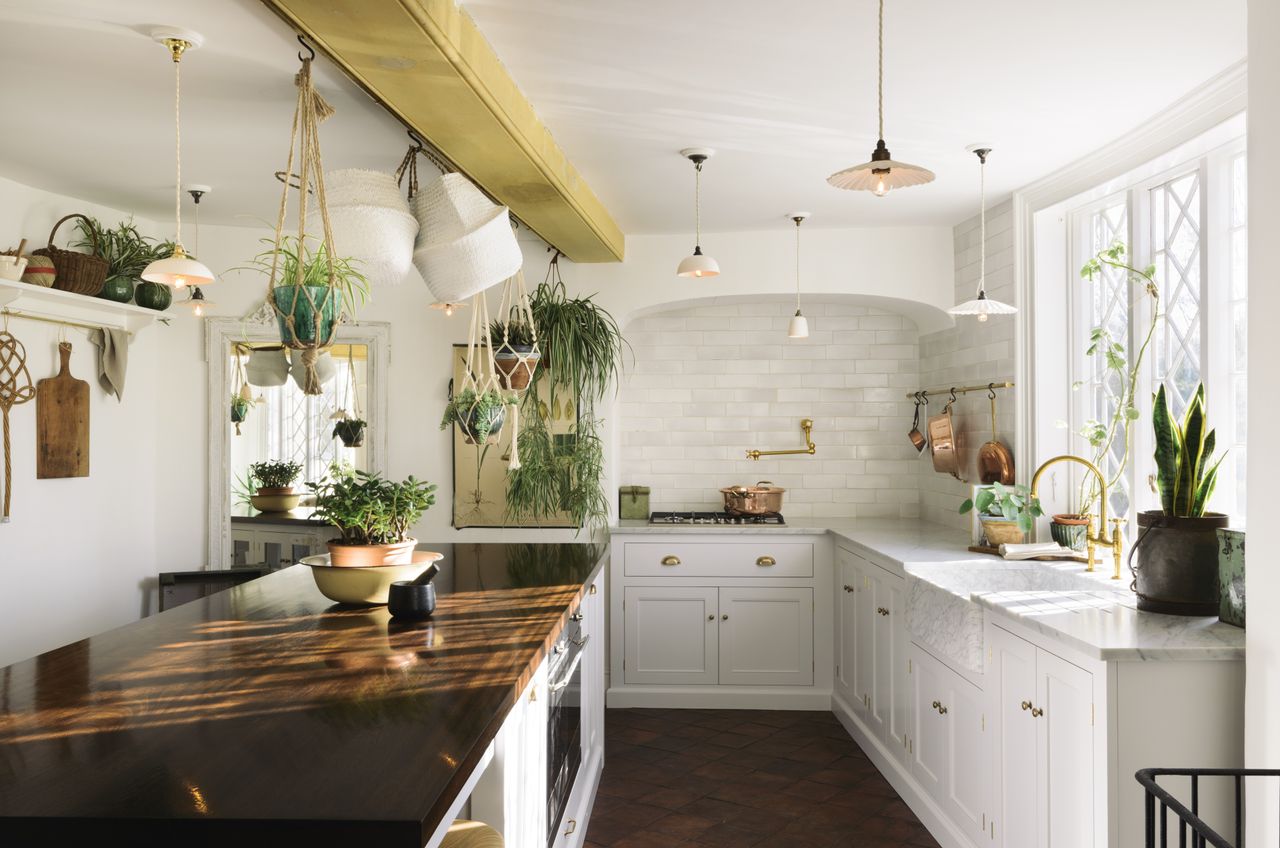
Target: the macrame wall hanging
(15, 388)
(309, 313)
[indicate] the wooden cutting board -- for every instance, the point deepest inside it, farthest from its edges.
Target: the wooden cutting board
(62, 423)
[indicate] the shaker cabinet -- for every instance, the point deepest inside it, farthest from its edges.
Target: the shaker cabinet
(672, 634)
(766, 636)
(1042, 719)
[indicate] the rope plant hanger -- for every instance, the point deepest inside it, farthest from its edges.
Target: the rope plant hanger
(478, 405)
(15, 388)
(308, 310)
(513, 342)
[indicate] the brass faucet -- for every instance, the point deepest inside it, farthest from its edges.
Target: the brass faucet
(810, 448)
(1094, 538)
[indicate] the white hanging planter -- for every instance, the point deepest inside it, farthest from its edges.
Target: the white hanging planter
(371, 223)
(267, 368)
(465, 242)
(325, 370)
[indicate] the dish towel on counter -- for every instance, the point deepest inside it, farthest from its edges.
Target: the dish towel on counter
(1035, 549)
(113, 359)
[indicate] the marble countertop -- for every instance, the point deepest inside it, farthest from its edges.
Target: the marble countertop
(951, 588)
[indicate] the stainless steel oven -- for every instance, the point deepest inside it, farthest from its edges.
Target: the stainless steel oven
(564, 719)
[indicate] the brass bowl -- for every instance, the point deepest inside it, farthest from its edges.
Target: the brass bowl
(367, 584)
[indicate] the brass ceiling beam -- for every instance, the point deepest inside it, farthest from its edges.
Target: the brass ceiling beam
(429, 65)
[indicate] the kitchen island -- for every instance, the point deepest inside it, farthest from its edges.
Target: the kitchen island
(268, 715)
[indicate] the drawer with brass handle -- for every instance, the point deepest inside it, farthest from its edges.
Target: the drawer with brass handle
(677, 558)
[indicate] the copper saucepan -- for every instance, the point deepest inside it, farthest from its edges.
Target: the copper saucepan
(995, 460)
(942, 442)
(760, 499)
(918, 441)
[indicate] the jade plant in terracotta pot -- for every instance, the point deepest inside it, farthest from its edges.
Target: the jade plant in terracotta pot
(274, 481)
(1006, 513)
(372, 514)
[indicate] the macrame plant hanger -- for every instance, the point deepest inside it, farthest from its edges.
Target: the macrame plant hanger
(518, 367)
(301, 303)
(480, 375)
(15, 388)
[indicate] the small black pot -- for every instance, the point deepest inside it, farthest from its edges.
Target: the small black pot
(1177, 563)
(406, 599)
(351, 432)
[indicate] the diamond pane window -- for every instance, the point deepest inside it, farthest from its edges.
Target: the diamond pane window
(1110, 310)
(1175, 237)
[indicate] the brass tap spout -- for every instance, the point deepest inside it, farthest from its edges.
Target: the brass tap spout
(1093, 537)
(806, 424)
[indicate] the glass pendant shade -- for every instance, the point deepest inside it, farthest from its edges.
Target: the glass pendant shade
(178, 270)
(799, 327)
(197, 303)
(983, 307)
(698, 264)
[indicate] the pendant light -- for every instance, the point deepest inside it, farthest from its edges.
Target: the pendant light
(882, 173)
(798, 328)
(982, 306)
(197, 302)
(448, 308)
(696, 264)
(178, 269)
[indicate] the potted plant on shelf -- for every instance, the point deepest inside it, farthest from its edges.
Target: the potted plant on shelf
(127, 253)
(1176, 549)
(514, 353)
(372, 514)
(350, 431)
(274, 485)
(1110, 440)
(478, 416)
(1006, 513)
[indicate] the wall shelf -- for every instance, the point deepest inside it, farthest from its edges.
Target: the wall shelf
(24, 299)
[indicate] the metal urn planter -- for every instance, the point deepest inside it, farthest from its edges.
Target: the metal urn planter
(1176, 567)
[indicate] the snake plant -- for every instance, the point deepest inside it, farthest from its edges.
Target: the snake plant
(1183, 453)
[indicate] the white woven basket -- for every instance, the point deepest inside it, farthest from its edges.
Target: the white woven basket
(378, 238)
(361, 187)
(465, 242)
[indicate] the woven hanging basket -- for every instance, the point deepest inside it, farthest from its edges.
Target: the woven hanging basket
(78, 273)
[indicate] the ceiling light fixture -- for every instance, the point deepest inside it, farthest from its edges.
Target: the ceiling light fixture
(798, 328)
(696, 264)
(882, 173)
(448, 308)
(982, 306)
(178, 269)
(197, 302)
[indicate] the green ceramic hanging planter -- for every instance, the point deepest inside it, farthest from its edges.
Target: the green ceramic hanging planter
(157, 296)
(292, 301)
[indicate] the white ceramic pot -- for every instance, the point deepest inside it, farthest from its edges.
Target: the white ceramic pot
(11, 267)
(267, 368)
(325, 369)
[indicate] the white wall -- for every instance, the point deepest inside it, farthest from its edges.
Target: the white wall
(971, 353)
(711, 381)
(1262, 638)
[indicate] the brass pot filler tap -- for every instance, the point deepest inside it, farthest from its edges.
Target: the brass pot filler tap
(806, 424)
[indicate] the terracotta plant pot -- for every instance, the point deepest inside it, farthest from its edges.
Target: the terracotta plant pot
(1069, 530)
(1001, 531)
(358, 556)
(516, 367)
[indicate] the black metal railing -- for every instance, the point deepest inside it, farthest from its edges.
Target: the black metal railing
(1188, 821)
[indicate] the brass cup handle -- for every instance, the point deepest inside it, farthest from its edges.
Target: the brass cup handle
(882, 611)
(573, 826)
(1036, 712)
(671, 559)
(1026, 705)
(766, 560)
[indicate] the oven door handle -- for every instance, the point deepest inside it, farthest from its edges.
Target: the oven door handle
(572, 665)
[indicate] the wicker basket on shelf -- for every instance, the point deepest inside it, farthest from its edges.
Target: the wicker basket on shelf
(80, 273)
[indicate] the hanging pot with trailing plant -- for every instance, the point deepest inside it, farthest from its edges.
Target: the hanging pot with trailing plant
(479, 416)
(350, 431)
(1177, 546)
(515, 353)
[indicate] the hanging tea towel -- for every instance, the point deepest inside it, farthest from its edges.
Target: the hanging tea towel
(465, 242)
(113, 360)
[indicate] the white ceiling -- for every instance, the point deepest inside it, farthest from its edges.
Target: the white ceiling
(92, 96)
(622, 86)
(786, 92)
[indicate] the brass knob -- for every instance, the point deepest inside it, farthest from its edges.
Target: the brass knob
(711, 618)
(724, 617)
(937, 705)
(942, 710)
(766, 560)
(1036, 712)
(671, 559)
(1026, 705)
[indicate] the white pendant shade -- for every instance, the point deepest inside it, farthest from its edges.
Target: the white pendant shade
(982, 306)
(799, 327)
(198, 303)
(178, 270)
(697, 264)
(864, 177)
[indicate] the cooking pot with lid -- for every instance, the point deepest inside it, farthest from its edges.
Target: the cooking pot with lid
(760, 499)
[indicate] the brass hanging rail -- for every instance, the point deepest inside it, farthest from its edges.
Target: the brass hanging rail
(960, 390)
(26, 316)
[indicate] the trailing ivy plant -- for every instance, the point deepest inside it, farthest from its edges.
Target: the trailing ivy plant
(582, 349)
(476, 414)
(1119, 371)
(1183, 452)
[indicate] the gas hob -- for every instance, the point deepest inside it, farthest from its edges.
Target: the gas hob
(685, 518)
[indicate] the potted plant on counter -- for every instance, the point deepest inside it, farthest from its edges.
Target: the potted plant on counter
(514, 353)
(1176, 549)
(274, 481)
(1006, 513)
(478, 416)
(372, 514)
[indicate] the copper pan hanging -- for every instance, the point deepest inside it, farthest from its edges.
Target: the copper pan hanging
(995, 460)
(942, 441)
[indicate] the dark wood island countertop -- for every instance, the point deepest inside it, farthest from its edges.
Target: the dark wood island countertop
(267, 715)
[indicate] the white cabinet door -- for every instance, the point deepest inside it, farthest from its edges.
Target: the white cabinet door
(969, 781)
(1011, 692)
(897, 688)
(929, 748)
(766, 636)
(671, 634)
(846, 624)
(1064, 731)
(865, 637)
(593, 681)
(511, 795)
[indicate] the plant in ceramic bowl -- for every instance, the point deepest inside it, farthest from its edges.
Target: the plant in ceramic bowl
(372, 514)
(128, 252)
(1006, 513)
(274, 481)
(478, 416)
(515, 354)
(302, 290)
